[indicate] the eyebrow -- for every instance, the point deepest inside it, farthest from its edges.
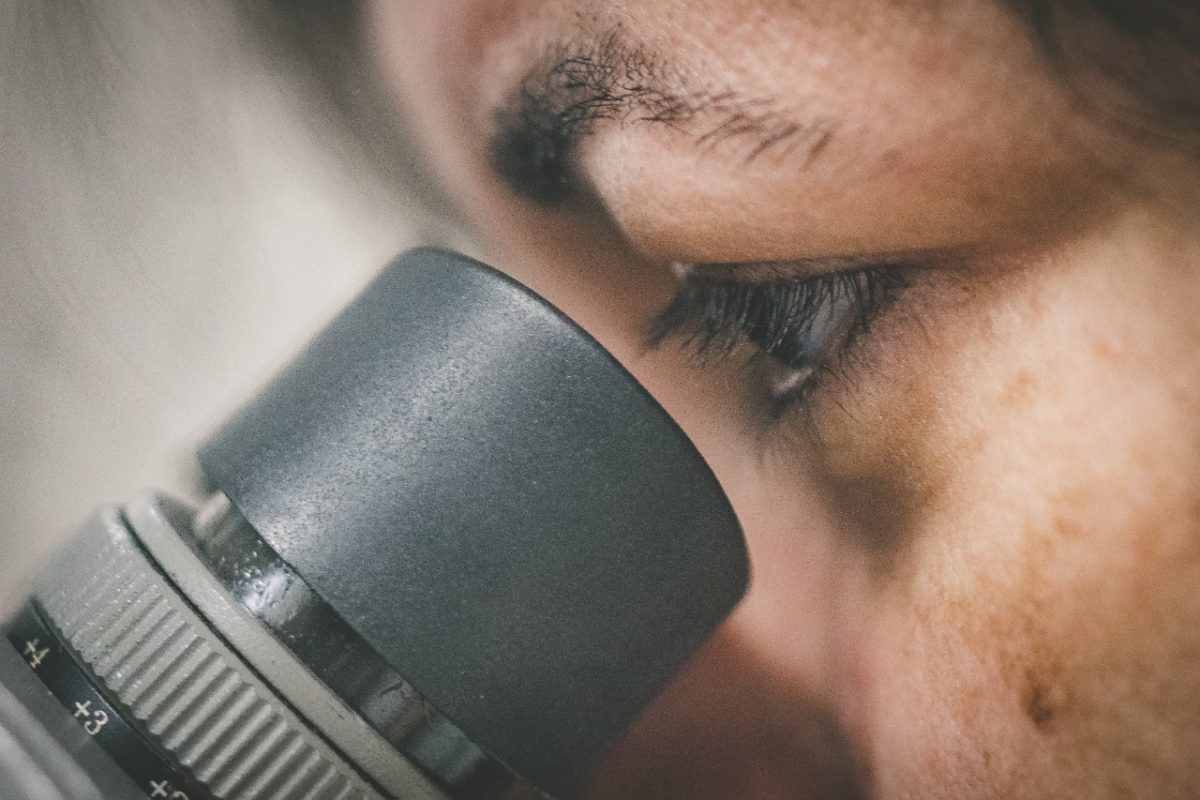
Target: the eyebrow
(577, 86)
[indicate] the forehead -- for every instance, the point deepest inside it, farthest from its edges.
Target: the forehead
(810, 45)
(935, 120)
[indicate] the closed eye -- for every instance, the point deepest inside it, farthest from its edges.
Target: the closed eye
(803, 327)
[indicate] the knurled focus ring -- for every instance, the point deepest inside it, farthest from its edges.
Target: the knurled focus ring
(175, 677)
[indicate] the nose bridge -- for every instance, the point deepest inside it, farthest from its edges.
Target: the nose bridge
(801, 616)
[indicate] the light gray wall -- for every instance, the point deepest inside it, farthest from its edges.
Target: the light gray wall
(182, 203)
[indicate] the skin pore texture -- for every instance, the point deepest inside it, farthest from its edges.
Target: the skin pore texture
(976, 545)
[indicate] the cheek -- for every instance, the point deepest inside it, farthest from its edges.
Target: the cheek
(1038, 635)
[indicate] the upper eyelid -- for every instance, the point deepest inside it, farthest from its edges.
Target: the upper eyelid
(805, 267)
(783, 270)
(690, 311)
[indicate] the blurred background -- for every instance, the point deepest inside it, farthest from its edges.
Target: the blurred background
(188, 190)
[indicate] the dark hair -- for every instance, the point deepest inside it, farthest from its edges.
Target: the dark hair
(1134, 62)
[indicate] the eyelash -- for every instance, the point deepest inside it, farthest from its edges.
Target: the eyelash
(716, 316)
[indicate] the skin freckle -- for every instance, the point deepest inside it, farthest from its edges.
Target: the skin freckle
(976, 442)
(886, 163)
(1067, 528)
(1104, 351)
(1020, 391)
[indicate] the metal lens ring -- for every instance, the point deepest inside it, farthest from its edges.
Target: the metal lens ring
(163, 672)
(296, 615)
(313, 658)
(45, 654)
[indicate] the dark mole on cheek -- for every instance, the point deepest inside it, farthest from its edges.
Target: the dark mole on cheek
(1042, 700)
(1037, 706)
(1042, 693)
(1028, 658)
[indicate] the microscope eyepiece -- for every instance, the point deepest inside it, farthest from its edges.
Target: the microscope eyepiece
(454, 539)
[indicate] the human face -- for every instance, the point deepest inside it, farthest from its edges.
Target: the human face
(968, 468)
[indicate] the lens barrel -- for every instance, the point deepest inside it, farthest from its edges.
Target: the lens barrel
(453, 550)
(183, 687)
